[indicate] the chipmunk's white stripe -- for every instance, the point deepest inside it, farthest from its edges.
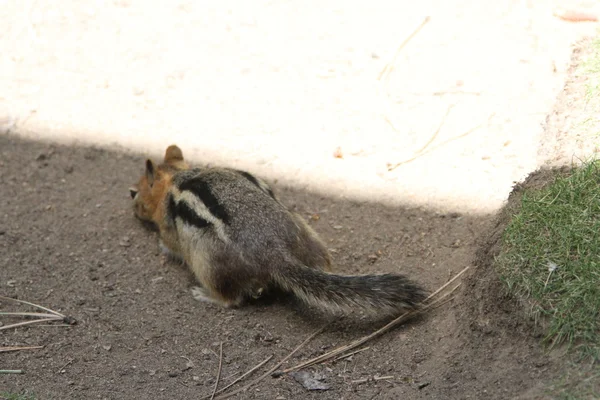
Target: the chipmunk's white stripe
(200, 208)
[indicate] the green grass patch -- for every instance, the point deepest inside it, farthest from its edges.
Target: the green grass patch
(551, 256)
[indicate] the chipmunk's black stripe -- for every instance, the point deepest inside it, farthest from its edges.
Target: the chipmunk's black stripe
(171, 209)
(188, 215)
(200, 188)
(254, 181)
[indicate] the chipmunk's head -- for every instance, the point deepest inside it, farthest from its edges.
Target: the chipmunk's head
(152, 187)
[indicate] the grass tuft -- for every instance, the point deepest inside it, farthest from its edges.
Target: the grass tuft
(551, 256)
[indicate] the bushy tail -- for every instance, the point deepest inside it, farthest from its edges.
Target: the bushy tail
(376, 295)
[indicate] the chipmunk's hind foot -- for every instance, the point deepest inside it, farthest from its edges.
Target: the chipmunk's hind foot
(201, 294)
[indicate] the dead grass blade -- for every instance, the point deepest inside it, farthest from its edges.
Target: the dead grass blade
(34, 321)
(34, 305)
(17, 348)
(389, 66)
(212, 396)
(257, 366)
(30, 314)
(269, 372)
(351, 353)
(428, 305)
(425, 150)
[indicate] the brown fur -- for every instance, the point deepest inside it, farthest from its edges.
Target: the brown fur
(240, 241)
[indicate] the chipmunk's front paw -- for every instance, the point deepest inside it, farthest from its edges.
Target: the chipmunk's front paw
(201, 294)
(168, 253)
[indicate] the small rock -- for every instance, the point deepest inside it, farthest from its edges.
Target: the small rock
(173, 374)
(310, 381)
(107, 347)
(337, 227)
(188, 365)
(11, 283)
(337, 153)
(423, 385)
(125, 241)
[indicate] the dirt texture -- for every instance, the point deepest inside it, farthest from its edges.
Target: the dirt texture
(571, 130)
(70, 242)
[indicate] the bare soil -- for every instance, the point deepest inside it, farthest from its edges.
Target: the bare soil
(70, 242)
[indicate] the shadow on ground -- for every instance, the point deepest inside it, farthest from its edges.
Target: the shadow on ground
(69, 241)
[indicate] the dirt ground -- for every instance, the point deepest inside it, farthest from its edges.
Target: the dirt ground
(68, 240)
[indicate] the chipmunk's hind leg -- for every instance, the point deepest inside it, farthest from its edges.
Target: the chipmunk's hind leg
(309, 248)
(235, 281)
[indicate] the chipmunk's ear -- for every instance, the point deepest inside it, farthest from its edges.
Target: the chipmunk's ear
(150, 171)
(173, 154)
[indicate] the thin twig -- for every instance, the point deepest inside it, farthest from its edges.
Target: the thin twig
(17, 348)
(437, 131)
(351, 354)
(269, 372)
(462, 135)
(33, 305)
(447, 283)
(402, 318)
(388, 67)
(34, 321)
(266, 360)
(65, 366)
(230, 376)
(374, 378)
(218, 372)
(342, 349)
(11, 371)
(30, 314)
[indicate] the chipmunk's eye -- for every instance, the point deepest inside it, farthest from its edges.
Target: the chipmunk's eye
(133, 192)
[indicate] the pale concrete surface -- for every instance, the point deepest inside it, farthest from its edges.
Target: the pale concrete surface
(277, 86)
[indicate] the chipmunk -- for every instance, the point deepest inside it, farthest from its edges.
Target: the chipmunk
(240, 241)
